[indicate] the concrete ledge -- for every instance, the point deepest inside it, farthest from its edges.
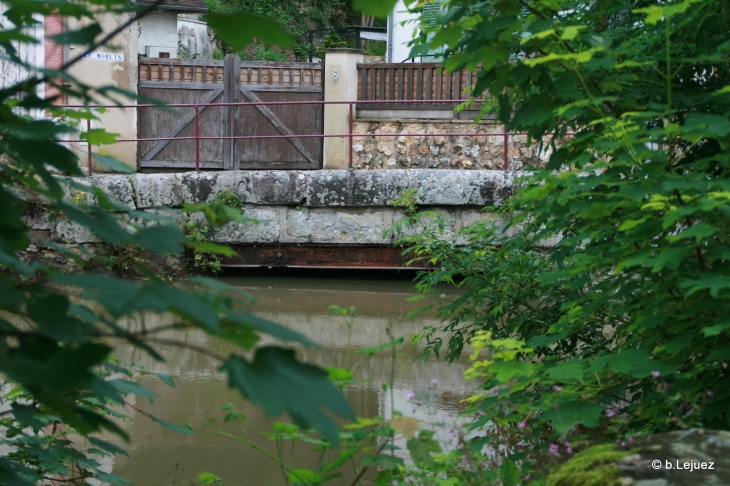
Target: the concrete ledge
(321, 188)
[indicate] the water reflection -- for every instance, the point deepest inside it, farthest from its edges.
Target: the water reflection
(159, 457)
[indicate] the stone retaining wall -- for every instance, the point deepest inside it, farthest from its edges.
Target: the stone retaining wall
(318, 207)
(438, 151)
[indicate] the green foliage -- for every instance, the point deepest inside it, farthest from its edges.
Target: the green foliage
(293, 17)
(407, 201)
(608, 269)
(332, 40)
(196, 259)
(58, 329)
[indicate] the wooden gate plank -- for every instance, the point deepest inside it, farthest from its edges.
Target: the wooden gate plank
(280, 126)
(180, 126)
(231, 120)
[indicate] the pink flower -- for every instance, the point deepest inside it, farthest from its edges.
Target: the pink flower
(522, 425)
(558, 388)
(568, 447)
(554, 448)
(709, 393)
(464, 458)
(394, 482)
(655, 374)
(435, 381)
(610, 413)
(410, 396)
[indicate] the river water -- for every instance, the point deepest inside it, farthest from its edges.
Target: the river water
(160, 457)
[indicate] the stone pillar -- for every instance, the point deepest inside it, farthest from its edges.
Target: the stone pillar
(340, 84)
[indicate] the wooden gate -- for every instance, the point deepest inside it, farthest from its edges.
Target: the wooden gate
(230, 81)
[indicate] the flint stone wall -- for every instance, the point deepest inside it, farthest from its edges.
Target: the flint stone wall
(438, 151)
(319, 207)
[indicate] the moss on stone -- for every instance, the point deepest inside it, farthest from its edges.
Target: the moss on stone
(597, 466)
(229, 198)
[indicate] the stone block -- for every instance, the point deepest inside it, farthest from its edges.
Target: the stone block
(238, 182)
(322, 225)
(116, 187)
(69, 232)
(157, 190)
(265, 231)
(285, 187)
(330, 187)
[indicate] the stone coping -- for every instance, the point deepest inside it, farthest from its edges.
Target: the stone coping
(320, 188)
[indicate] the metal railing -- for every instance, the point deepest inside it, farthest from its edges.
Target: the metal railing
(350, 135)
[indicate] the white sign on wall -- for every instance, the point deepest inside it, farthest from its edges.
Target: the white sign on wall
(104, 56)
(378, 36)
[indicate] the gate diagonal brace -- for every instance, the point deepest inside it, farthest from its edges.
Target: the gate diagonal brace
(280, 126)
(180, 126)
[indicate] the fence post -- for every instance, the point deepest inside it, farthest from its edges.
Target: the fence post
(88, 147)
(232, 114)
(506, 148)
(339, 81)
(197, 138)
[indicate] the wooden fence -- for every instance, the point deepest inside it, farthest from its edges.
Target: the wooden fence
(421, 83)
(176, 81)
(266, 76)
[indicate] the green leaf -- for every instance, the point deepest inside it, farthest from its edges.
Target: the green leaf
(509, 473)
(208, 478)
(379, 8)
(27, 415)
(382, 460)
(271, 328)
(168, 380)
(715, 330)
(506, 370)
(304, 476)
(339, 374)
(112, 163)
(566, 372)
(242, 336)
(8, 475)
(159, 239)
(181, 429)
(209, 247)
(107, 446)
(278, 383)
(656, 13)
(239, 29)
(422, 446)
(99, 136)
(344, 456)
(572, 412)
(570, 32)
(125, 387)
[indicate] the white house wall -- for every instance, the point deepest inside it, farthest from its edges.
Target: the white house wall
(401, 27)
(158, 29)
(31, 54)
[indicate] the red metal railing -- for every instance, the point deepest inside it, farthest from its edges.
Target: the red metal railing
(350, 135)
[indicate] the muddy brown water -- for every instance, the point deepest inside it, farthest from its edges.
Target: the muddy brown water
(160, 457)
